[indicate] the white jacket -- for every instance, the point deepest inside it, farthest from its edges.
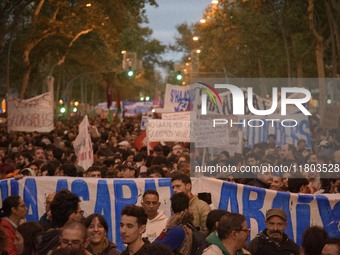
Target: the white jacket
(155, 226)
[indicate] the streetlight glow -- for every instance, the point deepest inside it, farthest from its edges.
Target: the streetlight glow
(88, 5)
(214, 1)
(195, 38)
(202, 21)
(198, 51)
(147, 98)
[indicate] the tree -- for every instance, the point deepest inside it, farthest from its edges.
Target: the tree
(66, 37)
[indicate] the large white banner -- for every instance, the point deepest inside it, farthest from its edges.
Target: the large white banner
(168, 130)
(83, 145)
(287, 129)
(109, 196)
(34, 114)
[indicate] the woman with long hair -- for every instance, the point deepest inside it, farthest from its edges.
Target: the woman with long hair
(12, 212)
(97, 229)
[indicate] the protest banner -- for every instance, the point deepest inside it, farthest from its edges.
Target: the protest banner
(178, 98)
(176, 115)
(83, 145)
(34, 114)
(168, 130)
(131, 108)
(287, 129)
(109, 196)
(204, 134)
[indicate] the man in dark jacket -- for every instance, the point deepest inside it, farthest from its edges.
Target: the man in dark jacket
(273, 240)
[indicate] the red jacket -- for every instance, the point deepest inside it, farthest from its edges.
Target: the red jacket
(10, 233)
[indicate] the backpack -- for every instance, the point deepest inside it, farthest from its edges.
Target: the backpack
(198, 238)
(202, 247)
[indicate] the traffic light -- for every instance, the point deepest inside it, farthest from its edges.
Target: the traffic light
(61, 107)
(179, 76)
(130, 73)
(75, 106)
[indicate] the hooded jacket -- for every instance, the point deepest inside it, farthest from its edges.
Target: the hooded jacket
(216, 247)
(155, 226)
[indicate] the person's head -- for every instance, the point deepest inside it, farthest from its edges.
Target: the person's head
(151, 203)
(313, 240)
(177, 149)
(288, 151)
(124, 145)
(48, 201)
(14, 207)
(127, 170)
(271, 139)
(277, 183)
(298, 185)
(214, 217)
(141, 158)
(301, 145)
(181, 183)
(179, 202)
(132, 224)
(68, 169)
(74, 235)
(39, 154)
(155, 171)
(94, 172)
(276, 223)
(252, 159)
(158, 150)
(156, 249)
(25, 237)
(312, 158)
(65, 207)
(234, 228)
(332, 247)
(97, 228)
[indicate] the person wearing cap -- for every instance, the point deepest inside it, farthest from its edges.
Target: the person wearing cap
(127, 170)
(124, 145)
(273, 240)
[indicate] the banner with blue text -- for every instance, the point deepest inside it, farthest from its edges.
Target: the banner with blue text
(109, 196)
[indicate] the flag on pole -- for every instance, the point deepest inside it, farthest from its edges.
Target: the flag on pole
(83, 145)
(108, 94)
(118, 115)
(109, 101)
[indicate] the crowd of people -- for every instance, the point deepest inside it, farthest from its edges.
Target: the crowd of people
(145, 229)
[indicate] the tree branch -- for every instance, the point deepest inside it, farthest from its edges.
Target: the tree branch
(311, 21)
(37, 11)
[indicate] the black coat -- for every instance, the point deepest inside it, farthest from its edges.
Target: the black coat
(263, 245)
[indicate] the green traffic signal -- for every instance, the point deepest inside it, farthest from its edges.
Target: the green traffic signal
(179, 76)
(130, 73)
